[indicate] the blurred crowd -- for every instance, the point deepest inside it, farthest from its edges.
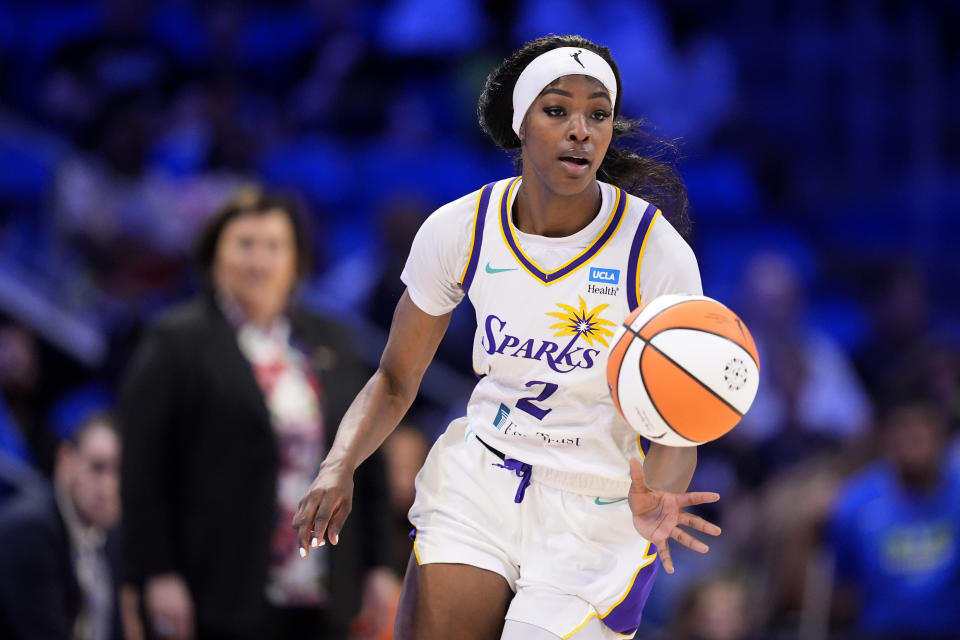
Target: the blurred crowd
(822, 165)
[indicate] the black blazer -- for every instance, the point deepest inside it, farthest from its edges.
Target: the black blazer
(39, 594)
(200, 465)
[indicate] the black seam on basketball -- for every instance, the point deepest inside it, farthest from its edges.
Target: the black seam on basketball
(678, 302)
(646, 390)
(698, 380)
(616, 383)
(713, 333)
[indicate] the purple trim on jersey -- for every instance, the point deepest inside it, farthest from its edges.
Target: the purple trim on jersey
(547, 278)
(477, 236)
(638, 237)
(625, 617)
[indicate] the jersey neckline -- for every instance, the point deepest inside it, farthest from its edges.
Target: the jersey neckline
(510, 233)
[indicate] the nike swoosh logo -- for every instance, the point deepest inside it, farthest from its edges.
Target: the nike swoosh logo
(606, 502)
(495, 270)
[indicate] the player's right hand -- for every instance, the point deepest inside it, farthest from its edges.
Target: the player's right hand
(658, 514)
(169, 607)
(324, 508)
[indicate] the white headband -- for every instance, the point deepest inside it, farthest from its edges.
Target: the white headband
(553, 64)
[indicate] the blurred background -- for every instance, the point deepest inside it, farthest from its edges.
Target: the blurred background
(819, 146)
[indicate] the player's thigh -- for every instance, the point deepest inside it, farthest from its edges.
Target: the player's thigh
(514, 630)
(451, 601)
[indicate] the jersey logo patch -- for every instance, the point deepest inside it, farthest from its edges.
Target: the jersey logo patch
(604, 276)
(502, 414)
(583, 323)
(562, 358)
(606, 502)
(495, 270)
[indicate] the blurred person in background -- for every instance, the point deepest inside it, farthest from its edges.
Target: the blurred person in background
(715, 608)
(906, 353)
(22, 435)
(898, 301)
(790, 513)
(58, 560)
(895, 533)
(229, 405)
(404, 451)
(810, 398)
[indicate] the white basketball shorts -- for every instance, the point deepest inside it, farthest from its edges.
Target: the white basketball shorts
(568, 557)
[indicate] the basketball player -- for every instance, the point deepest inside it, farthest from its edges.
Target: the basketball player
(534, 516)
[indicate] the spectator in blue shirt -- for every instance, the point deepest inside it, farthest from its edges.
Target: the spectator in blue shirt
(895, 531)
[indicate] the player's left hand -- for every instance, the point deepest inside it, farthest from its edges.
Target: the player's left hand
(657, 515)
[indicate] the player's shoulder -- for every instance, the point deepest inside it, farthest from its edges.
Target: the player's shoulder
(466, 206)
(661, 230)
(187, 325)
(185, 316)
(667, 262)
(662, 240)
(29, 517)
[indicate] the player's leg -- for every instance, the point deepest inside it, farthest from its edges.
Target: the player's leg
(451, 601)
(515, 630)
(406, 608)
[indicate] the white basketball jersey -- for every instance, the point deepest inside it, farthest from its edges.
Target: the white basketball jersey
(542, 338)
(543, 331)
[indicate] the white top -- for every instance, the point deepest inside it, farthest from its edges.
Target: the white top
(546, 308)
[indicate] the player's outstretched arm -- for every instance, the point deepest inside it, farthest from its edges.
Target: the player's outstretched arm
(658, 513)
(374, 413)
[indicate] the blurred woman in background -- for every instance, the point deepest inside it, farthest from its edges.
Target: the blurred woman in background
(230, 403)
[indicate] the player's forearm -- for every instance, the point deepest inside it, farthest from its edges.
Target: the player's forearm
(670, 468)
(371, 417)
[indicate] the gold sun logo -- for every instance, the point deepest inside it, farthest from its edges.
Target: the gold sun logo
(583, 323)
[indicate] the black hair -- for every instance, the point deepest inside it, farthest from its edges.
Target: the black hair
(251, 200)
(644, 167)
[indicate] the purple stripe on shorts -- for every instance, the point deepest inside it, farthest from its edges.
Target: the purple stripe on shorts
(625, 617)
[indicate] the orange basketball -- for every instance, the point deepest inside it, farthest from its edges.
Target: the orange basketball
(682, 370)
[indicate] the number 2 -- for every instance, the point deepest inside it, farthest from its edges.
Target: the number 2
(526, 404)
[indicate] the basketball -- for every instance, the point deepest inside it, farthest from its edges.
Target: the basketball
(682, 370)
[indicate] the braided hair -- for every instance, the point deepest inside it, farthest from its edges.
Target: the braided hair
(644, 167)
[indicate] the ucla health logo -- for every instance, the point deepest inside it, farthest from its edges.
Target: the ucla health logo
(604, 276)
(579, 324)
(606, 279)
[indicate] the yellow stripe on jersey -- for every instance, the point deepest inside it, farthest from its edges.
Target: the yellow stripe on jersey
(505, 201)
